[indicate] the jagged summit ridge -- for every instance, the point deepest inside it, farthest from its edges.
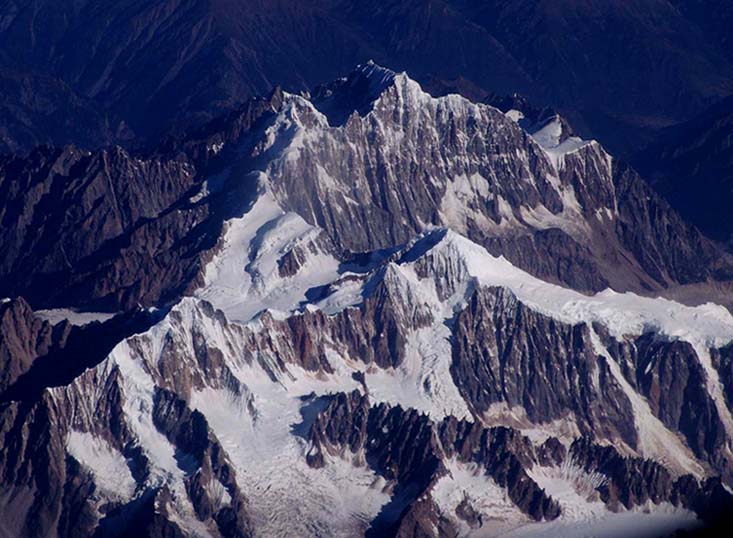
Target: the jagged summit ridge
(409, 161)
(355, 93)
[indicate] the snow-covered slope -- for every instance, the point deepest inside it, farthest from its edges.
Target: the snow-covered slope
(248, 381)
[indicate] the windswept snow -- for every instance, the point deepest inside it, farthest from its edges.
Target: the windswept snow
(263, 429)
(468, 484)
(108, 465)
(57, 315)
(623, 313)
(583, 515)
(656, 441)
(549, 138)
(243, 277)
(268, 448)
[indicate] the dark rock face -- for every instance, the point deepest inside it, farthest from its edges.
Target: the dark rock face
(188, 432)
(112, 230)
(645, 220)
(538, 254)
(573, 222)
(33, 467)
(723, 362)
(41, 355)
(41, 109)
(23, 338)
(410, 449)
(69, 217)
(504, 352)
(670, 376)
(630, 481)
(387, 173)
(507, 456)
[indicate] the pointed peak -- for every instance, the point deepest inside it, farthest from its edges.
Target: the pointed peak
(378, 77)
(354, 93)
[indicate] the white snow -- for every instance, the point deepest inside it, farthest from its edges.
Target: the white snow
(469, 482)
(57, 315)
(215, 148)
(655, 440)
(623, 313)
(286, 496)
(423, 381)
(652, 522)
(139, 387)
(548, 137)
(262, 430)
(243, 279)
(514, 115)
(108, 465)
(583, 515)
(573, 488)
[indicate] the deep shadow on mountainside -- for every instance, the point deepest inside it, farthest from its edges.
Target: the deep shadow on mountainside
(691, 165)
(94, 73)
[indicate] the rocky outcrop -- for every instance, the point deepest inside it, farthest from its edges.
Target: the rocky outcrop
(33, 467)
(505, 353)
(24, 337)
(634, 481)
(412, 451)
(391, 163)
(188, 431)
(40, 354)
(402, 161)
(670, 376)
(330, 227)
(722, 360)
(645, 227)
(409, 449)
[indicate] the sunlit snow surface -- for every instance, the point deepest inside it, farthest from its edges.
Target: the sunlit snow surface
(108, 465)
(57, 315)
(423, 381)
(243, 279)
(549, 136)
(286, 496)
(583, 515)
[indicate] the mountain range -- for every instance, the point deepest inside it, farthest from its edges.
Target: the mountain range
(359, 310)
(428, 268)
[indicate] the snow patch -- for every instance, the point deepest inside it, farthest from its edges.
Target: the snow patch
(111, 473)
(243, 277)
(469, 485)
(57, 315)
